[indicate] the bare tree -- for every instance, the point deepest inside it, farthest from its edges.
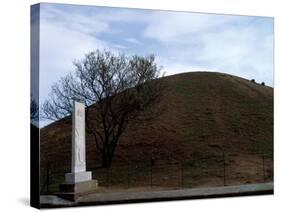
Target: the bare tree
(117, 88)
(34, 109)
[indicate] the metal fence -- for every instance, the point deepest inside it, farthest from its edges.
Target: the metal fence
(199, 171)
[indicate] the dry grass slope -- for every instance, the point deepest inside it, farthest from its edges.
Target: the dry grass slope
(205, 115)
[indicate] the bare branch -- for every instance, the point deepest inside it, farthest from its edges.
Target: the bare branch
(115, 88)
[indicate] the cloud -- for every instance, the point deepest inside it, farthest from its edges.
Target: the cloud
(64, 37)
(67, 35)
(238, 45)
(240, 51)
(59, 47)
(170, 68)
(173, 26)
(182, 42)
(72, 20)
(132, 41)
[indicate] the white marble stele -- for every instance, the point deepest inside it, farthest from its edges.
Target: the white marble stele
(78, 163)
(78, 181)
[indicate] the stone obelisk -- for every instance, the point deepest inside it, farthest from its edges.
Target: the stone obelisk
(78, 181)
(78, 162)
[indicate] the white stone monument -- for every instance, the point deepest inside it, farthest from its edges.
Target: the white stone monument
(78, 162)
(79, 181)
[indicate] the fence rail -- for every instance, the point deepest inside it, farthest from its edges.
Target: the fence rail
(199, 171)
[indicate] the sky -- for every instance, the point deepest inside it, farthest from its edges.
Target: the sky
(181, 41)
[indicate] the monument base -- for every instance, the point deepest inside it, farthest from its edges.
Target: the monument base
(77, 177)
(72, 191)
(77, 184)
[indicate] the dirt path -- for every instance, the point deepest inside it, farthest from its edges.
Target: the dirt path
(142, 196)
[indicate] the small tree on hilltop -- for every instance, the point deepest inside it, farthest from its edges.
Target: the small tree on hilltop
(117, 86)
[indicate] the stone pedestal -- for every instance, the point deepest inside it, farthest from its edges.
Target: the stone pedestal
(72, 191)
(78, 177)
(79, 181)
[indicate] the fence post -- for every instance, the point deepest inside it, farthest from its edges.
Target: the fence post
(224, 180)
(128, 176)
(151, 164)
(182, 175)
(48, 176)
(263, 168)
(108, 176)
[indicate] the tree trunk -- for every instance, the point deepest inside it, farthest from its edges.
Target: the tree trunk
(107, 157)
(105, 162)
